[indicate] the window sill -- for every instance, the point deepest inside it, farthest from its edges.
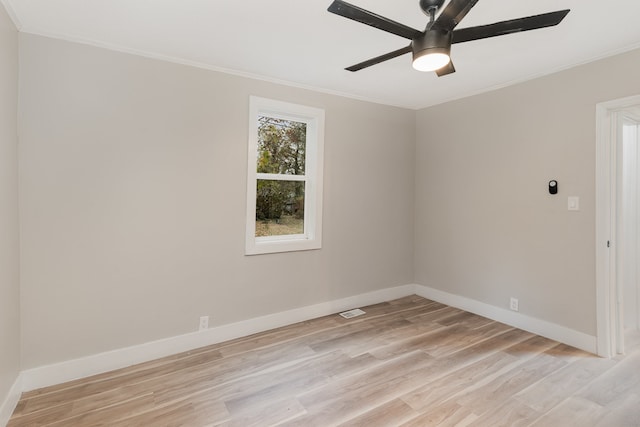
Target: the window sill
(269, 246)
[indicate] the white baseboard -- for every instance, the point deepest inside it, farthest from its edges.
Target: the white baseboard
(103, 362)
(10, 402)
(539, 327)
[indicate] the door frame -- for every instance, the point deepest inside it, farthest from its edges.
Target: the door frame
(610, 329)
(628, 206)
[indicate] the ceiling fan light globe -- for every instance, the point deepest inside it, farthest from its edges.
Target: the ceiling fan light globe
(431, 50)
(431, 61)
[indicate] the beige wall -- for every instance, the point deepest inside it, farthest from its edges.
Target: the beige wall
(133, 195)
(133, 181)
(486, 227)
(9, 252)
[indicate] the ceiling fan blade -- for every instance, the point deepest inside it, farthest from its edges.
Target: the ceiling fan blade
(447, 69)
(379, 59)
(507, 27)
(453, 14)
(350, 11)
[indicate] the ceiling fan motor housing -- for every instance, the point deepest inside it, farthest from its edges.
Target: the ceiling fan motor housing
(432, 41)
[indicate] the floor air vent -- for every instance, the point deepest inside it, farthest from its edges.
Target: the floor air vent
(352, 313)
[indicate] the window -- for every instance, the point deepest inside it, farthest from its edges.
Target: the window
(284, 186)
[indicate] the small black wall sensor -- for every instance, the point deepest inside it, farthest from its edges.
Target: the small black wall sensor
(553, 187)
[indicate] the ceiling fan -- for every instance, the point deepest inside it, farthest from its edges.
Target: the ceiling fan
(431, 48)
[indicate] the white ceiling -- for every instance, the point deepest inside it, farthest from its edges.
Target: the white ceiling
(298, 42)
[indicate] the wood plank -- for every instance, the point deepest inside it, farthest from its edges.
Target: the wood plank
(573, 412)
(509, 414)
(347, 398)
(622, 412)
(564, 383)
(104, 383)
(614, 384)
(387, 414)
(451, 385)
(483, 395)
(408, 362)
(448, 414)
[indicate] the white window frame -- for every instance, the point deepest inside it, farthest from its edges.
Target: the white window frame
(314, 150)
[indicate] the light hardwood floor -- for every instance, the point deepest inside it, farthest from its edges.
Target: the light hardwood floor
(408, 362)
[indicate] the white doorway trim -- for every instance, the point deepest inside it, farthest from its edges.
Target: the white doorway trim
(608, 147)
(629, 220)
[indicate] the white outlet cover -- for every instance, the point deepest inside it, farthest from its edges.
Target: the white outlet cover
(204, 323)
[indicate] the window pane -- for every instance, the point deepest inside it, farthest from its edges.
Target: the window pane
(279, 208)
(281, 146)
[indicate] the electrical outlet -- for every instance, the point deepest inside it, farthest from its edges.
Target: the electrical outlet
(513, 304)
(204, 323)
